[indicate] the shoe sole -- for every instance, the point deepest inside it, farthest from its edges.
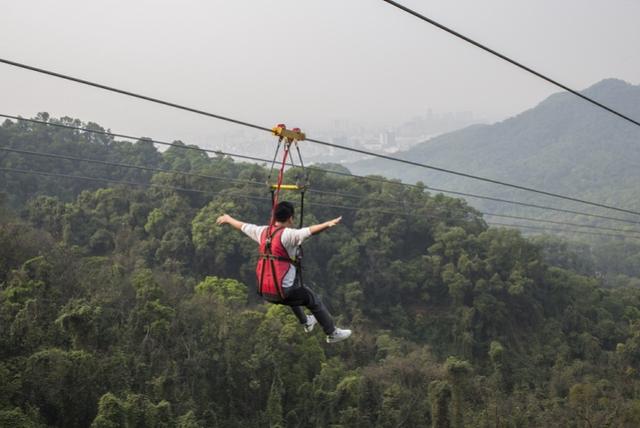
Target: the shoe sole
(338, 339)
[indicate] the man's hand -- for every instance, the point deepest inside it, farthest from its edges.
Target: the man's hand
(317, 228)
(224, 218)
(333, 222)
(227, 219)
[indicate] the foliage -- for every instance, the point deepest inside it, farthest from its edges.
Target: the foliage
(130, 307)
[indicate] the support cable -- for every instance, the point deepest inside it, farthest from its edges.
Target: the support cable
(324, 143)
(511, 61)
(126, 165)
(184, 189)
(564, 223)
(312, 168)
(262, 198)
(274, 201)
(553, 229)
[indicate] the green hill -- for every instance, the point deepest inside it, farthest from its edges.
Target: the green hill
(126, 306)
(562, 145)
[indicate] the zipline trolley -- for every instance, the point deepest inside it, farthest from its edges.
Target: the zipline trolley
(274, 262)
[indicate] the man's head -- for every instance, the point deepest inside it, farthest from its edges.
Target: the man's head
(284, 211)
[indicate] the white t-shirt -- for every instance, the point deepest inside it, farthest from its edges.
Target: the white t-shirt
(290, 239)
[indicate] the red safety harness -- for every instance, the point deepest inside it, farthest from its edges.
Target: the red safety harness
(274, 261)
(273, 264)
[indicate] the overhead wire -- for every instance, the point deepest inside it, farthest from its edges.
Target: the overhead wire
(474, 195)
(135, 95)
(565, 223)
(320, 142)
(130, 137)
(184, 189)
(532, 205)
(551, 229)
(511, 61)
(346, 207)
(164, 170)
(238, 181)
(368, 178)
(475, 177)
(214, 151)
(125, 165)
(102, 180)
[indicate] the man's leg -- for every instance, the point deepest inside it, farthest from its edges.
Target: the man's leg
(299, 313)
(303, 296)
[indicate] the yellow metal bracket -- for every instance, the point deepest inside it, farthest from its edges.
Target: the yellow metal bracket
(290, 135)
(287, 187)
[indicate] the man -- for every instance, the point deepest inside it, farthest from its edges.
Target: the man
(295, 294)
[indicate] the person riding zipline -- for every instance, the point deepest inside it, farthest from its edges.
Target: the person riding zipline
(278, 268)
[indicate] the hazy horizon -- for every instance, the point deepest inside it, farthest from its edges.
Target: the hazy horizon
(309, 64)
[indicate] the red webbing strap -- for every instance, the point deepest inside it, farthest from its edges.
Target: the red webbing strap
(287, 146)
(260, 282)
(275, 279)
(272, 221)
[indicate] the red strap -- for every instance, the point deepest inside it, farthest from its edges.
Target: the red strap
(287, 146)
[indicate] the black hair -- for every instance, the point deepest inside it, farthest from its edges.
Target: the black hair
(284, 211)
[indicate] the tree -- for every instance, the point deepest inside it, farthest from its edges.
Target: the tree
(440, 394)
(61, 385)
(457, 374)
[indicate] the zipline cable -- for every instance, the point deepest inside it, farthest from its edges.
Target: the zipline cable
(368, 178)
(104, 180)
(474, 177)
(184, 189)
(324, 143)
(132, 94)
(564, 223)
(173, 171)
(262, 198)
(237, 181)
(511, 61)
(550, 229)
(126, 165)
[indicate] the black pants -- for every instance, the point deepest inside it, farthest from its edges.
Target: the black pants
(298, 296)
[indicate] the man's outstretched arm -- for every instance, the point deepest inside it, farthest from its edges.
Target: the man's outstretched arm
(317, 228)
(227, 219)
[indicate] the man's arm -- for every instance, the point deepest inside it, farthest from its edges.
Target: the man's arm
(227, 219)
(317, 228)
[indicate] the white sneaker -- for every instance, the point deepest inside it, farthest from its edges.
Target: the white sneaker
(338, 335)
(311, 322)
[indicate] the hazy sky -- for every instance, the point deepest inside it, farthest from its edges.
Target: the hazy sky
(304, 62)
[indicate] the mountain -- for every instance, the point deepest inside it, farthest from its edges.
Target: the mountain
(564, 145)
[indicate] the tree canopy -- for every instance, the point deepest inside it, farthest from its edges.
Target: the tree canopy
(127, 306)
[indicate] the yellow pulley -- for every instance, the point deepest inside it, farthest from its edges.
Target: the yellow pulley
(290, 135)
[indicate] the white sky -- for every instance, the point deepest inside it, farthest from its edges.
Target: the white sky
(303, 62)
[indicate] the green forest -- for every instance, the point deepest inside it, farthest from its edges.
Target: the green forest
(126, 306)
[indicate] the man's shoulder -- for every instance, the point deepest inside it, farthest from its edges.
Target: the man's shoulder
(254, 226)
(253, 230)
(291, 231)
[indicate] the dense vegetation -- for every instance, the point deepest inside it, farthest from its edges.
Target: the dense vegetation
(124, 306)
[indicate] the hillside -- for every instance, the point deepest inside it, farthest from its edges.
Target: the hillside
(562, 145)
(126, 306)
